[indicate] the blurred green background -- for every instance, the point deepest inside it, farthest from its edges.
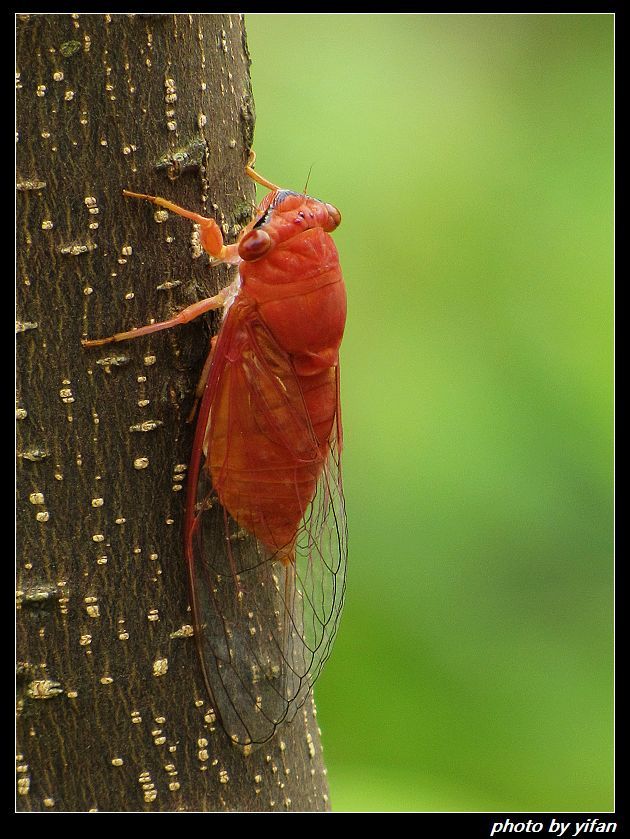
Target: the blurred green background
(471, 158)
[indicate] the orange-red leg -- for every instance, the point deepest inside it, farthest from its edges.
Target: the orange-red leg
(186, 315)
(212, 242)
(210, 234)
(249, 170)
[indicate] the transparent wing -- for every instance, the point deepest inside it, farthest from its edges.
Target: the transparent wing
(264, 622)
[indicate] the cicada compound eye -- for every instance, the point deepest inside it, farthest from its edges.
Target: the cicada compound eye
(254, 245)
(334, 218)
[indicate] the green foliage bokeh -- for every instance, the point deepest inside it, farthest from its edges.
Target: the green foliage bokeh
(471, 158)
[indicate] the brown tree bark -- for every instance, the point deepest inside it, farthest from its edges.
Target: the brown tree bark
(112, 711)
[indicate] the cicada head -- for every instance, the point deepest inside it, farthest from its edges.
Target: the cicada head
(282, 215)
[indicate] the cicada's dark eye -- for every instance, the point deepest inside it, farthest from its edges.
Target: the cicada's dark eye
(254, 245)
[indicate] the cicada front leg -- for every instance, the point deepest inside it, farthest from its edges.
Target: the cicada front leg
(210, 234)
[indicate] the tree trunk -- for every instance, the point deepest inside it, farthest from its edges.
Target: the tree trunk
(112, 710)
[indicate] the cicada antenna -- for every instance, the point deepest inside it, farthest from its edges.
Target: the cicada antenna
(308, 177)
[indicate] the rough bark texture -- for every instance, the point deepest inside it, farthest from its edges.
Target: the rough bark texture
(112, 712)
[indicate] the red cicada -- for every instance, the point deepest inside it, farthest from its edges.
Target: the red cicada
(266, 463)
